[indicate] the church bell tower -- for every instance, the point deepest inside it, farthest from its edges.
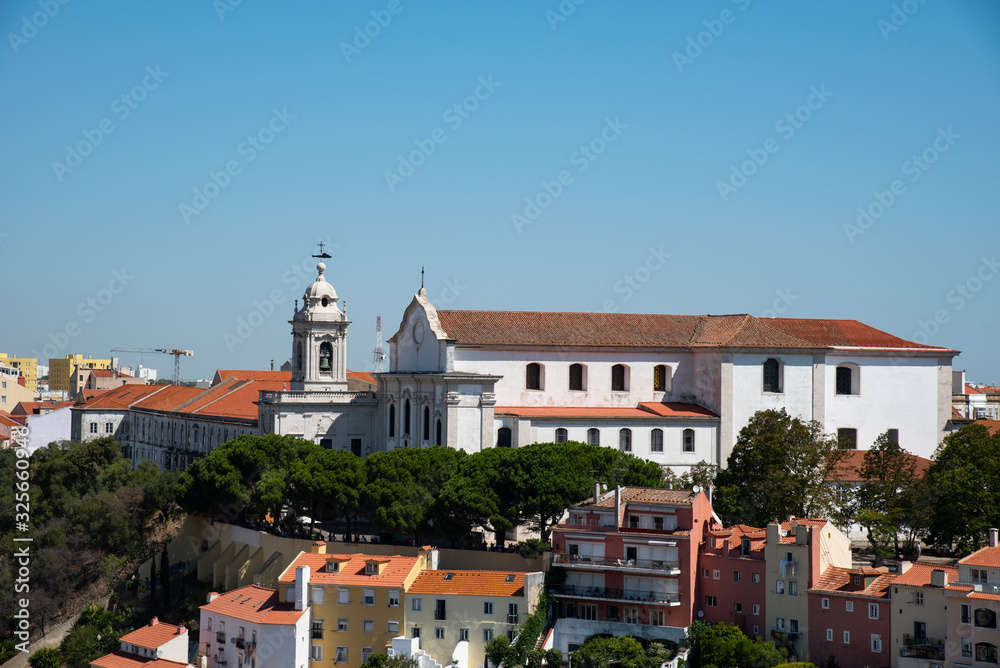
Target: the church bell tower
(319, 340)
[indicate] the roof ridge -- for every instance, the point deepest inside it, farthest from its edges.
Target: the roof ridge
(237, 385)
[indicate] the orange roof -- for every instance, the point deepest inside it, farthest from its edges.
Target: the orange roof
(848, 469)
(919, 574)
(677, 409)
(971, 390)
(353, 571)
(468, 583)
(984, 596)
(987, 556)
(119, 398)
(35, 407)
(992, 425)
(169, 398)
(634, 330)
(251, 374)
(254, 604)
(6, 421)
(121, 659)
(837, 579)
(365, 376)
(955, 415)
(233, 398)
(580, 412)
(672, 497)
(735, 535)
(155, 634)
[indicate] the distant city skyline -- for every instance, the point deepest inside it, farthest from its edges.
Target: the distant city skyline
(168, 171)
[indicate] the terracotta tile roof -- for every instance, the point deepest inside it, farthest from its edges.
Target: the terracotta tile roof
(992, 425)
(121, 659)
(154, 634)
(959, 587)
(955, 415)
(581, 412)
(988, 557)
(35, 407)
(363, 376)
(919, 575)
(238, 399)
(971, 390)
(352, 573)
(468, 583)
(984, 596)
(119, 398)
(108, 373)
(837, 579)
(169, 398)
(848, 469)
(6, 421)
(251, 374)
(735, 534)
(673, 497)
(677, 409)
(254, 604)
(634, 330)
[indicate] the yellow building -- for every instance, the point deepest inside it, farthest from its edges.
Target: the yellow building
(27, 366)
(356, 601)
(61, 370)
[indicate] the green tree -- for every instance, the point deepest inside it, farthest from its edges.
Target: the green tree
(384, 661)
(553, 479)
(963, 488)
(330, 481)
(600, 652)
(487, 492)
(889, 476)
(726, 646)
(497, 649)
(778, 467)
(47, 657)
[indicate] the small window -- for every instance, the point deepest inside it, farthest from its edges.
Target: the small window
(487, 635)
(710, 601)
(93, 427)
(463, 635)
(824, 603)
(619, 378)
(737, 576)
(392, 627)
(756, 608)
(873, 611)
(779, 624)
(756, 630)
(368, 626)
(986, 652)
(392, 420)
(793, 588)
(593, 436)
(737, 608)
(847, 379)
(533, 376)
(316, 652)
(416, 604)
(369, 597)
(656, 440)
(985, 618)
(317, 595)
(439, 610)
(793, 626)
(918, 598)
(979, 575)
(427, 423)
(772, 375)
(393, 598)
(876, 642)
(847, 637)
(366, 653)
(660, 374)
(487, 607)
(829, 635)
(561, 435)
(109, 427)
(688, 440)
(755, 578)
(341, 655)
(503, 437)
(704, 573)
(325, 358)
(779, 586)
(716, 575)
(847, 438)
(438, 433)
(625, 440)
(966, 648)
(439, 632)
(406, 418)
(576, 377)
(341, 625)
(343, 596)
(512, 613)
(849, 606)
(966, 614)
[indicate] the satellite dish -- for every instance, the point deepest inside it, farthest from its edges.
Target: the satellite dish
(782, 532)
(701, 613)
(696, 488)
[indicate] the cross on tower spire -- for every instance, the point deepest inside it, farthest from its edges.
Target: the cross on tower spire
(321, 254)
(421, 277)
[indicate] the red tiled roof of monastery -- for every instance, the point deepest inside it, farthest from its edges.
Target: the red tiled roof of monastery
(254, 604)
(919, 575)
(154, 634)
(849, 468)
(597, 412)
(468, 583)
(169, 398)
(365, 376)
(118, 398)
(635, 330)
(252, 374)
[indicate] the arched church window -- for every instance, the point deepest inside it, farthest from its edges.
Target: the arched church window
(392, 420)
(427, 423)
(298, 356)
(406, 419)
(325, 357)
(503, 437)
(437, 441)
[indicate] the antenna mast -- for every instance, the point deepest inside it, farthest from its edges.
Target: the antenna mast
(379, 355)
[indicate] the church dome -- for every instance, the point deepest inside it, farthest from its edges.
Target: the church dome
(319, 288)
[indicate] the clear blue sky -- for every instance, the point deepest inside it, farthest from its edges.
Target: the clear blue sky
(888, 92)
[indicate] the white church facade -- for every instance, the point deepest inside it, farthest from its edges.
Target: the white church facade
(673, 389)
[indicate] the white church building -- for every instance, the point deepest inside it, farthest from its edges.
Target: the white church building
(675, 389)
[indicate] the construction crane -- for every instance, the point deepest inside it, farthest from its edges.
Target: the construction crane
(165, 351)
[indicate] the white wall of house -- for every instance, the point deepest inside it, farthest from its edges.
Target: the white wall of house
(48, 428)
(278, 645)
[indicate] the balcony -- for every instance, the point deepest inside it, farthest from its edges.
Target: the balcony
(241, 643)
(920, 647)
(220, 637)
(656, 565)
(606, 593)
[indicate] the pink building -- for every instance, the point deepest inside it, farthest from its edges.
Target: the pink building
(631, 558)
(850, 615)
(731, 583)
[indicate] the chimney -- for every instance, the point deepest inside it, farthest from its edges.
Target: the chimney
(597, 491)
(801, 534)
(180, 630)
(154, 621)
(319, 547)
(212, 596)
(939, 578)
(993, 538)
(618, 507)
(905, 566)
(301, 587)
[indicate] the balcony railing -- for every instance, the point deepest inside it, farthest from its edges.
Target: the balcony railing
(922, 647)
(221, 637)
(646, 564)
(638, 595)
(241, 643)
